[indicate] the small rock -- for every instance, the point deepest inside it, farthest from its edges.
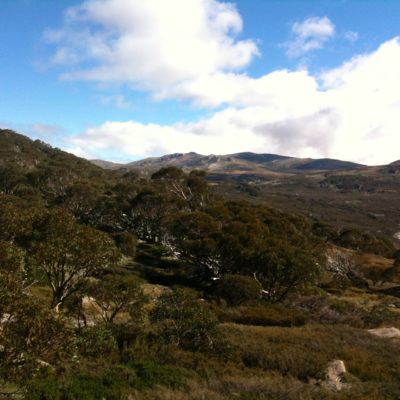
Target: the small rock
(390, 333)
(335, 376)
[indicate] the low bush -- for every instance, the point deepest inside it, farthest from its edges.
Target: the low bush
(126, 243)
(111, 382)
(238, 289)
(380, 315)
(184, 321)
(273, 315)
(96, 341)
(330, 310)
(151, 373)
(304, 352)
(82, 385)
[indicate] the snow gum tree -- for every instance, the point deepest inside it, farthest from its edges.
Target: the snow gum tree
(67, 254)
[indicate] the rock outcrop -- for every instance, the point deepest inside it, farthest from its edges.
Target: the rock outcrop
(335, 379)
(386, 332)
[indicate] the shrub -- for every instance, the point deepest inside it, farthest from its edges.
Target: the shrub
(238, 289)
(106, 383)
(103, 381)
(281, 269)
(274, 315)
(362, 241)
(96, 341)
(304, 352)
(151, 373)
(183, 320)
(126, 243)
(380, 315)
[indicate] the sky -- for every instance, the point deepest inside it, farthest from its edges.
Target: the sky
(123, 80)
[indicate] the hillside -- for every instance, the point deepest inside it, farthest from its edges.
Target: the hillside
(31, 168)
(361, 197)
(120, 285)
(27, 154)
(341, 193)
(235, 164)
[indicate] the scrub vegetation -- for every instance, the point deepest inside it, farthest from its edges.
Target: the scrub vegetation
(114, 285)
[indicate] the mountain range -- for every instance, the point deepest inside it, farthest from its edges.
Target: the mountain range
(338, 192)
(235, 164)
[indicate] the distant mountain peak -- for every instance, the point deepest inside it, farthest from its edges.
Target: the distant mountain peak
(243, 163)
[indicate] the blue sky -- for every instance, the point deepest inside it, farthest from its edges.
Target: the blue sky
(127, 79)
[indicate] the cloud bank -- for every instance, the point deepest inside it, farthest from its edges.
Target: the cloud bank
(152, 45)
(350, 112)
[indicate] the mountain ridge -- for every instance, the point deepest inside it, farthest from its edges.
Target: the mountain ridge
(236, 163)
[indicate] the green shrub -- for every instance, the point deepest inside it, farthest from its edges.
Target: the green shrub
(126, 243)
(184, 321)
(274, 315)
(238, 289)
(380, 315)
(104, 381)
(362, 241)
(329, 310)
(304, 352)
(80, 387)
(96, 341)
(150, 373)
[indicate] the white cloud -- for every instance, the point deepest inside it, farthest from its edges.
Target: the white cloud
(351, 112)
(190, 50)
(45, 129)
(117, 100)
(366, 91)
(35, 130)
(153, 45)
(308, 35)
(351, 36)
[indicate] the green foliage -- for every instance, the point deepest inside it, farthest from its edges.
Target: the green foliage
(168, 174)
(238, 289)
(362, 241)
(379, 316)
(68, 253)
(83, 386)
(81, 200)
(11, 177)
(281, 269)
(16, 218)
(96, 341)
(29, 332)
(325, 231)
(37, 165)
(242, 239)
(150, 374)
(107, 382)
(270, 315)
(176, 351)
(146, 213)
(11, 259)
(31, 336)
(115, 294)
(126, 243)
(304, 352)
(184, 321)
(194, 236)
(191, 190)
